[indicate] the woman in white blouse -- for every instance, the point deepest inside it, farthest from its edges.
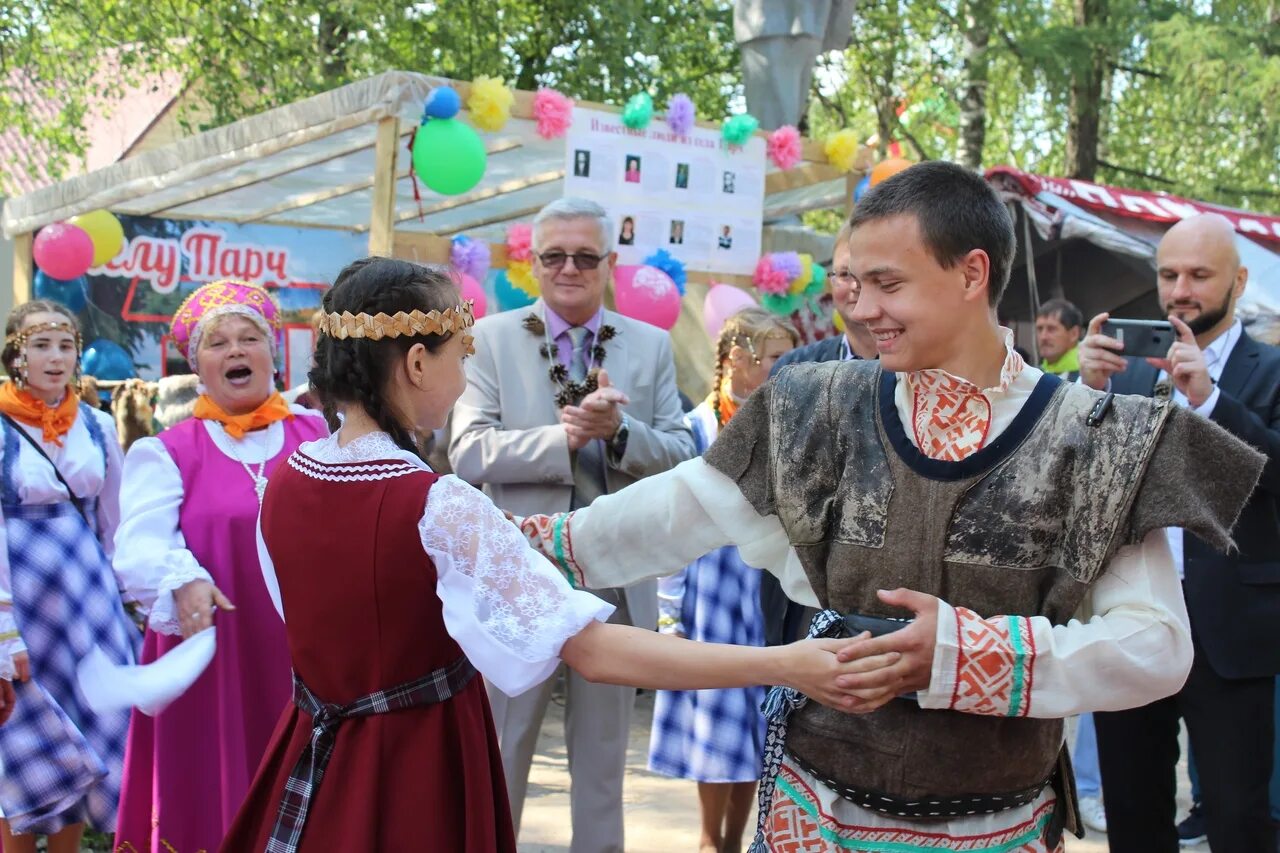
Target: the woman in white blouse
(60, 464)
(185, 550)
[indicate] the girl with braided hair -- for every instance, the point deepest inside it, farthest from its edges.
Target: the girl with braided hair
(716, 737)
(391, 614)
(185, 551)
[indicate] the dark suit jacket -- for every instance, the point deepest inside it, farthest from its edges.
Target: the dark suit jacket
(784, 620)
(1234, 599)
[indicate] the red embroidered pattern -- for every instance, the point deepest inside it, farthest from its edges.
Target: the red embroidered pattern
(805, 827)
(994, 666)
(950, 416)
(550, 536)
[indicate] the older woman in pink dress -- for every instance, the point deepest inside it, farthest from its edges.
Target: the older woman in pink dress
(186, 551)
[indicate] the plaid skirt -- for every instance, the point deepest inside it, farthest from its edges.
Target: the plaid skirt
(714, 735)
(60, 762)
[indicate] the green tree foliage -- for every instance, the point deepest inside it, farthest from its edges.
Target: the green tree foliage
(242, 56)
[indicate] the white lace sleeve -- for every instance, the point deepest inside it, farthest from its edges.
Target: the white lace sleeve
(507, 607)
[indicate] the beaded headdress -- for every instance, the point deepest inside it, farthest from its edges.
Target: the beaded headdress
(18, 342)
(217, 299)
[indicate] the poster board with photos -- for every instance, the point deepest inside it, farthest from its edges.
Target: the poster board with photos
(694, 195)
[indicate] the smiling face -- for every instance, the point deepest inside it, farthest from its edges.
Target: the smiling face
(914, 307)
(235, 364)
(1199, 276)
(574, 294)
(746, 372)
(51, 357)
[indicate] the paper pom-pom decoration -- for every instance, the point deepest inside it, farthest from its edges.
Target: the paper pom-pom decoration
(507, 295)
(786, 279)
(738, 129)
(490, 103)
(671, 265)
(638, 112)
(470, 256)
(520, 242)
(768, 278)
(553, 113)
(680, 114)
(841, 148)
(520, 274)
(443, 102)
(784, 147)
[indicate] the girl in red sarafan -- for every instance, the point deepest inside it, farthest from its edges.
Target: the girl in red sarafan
(398, 585)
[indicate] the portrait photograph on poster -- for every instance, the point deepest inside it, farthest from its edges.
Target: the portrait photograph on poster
(728, 182)
(726, 237)
(632, 174)
(677, 232)
(581, 163)
(682, 176)
(627, 233)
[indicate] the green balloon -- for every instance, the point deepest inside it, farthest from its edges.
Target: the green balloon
(448, 156)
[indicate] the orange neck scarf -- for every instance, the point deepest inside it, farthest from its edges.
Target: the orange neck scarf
(24, 407)
(274, 409)
(725, 406)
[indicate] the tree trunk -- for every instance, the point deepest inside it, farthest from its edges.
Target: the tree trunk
(331, 39)
(1085, 102)
(973, 92)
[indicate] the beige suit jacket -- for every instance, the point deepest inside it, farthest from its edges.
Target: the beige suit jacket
(506, 436)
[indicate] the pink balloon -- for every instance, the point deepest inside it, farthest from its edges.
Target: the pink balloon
(471, 289)
(723, 301)
(646, 293)
(63, 251)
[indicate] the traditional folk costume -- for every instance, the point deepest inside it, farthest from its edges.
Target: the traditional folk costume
(710, 735)
(1034, 499)
(190, 503)
(390, 615)
(58, 600)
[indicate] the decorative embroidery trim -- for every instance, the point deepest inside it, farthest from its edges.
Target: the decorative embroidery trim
(571, 393)
(358, 473)
(994, 665)
(375, 327)
(798, 819)
(551, 536)
(351, 466)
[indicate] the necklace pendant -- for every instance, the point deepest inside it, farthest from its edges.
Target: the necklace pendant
(260, 486)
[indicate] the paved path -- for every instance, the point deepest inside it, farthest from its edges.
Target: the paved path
(661, 813)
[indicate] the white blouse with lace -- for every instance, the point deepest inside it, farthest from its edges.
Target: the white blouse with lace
(81, 463)
(151, 555)
(507, 607)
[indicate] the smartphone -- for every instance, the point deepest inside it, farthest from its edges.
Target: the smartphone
(1142, 338)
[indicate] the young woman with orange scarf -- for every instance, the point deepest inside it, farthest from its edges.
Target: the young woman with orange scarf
(61, 467)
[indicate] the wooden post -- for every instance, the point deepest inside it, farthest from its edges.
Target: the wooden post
(382, 219)
(22, 268)
(850, 184)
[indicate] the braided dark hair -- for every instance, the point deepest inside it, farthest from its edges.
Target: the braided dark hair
(355, 371)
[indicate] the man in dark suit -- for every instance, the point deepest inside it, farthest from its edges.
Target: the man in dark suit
(1233, 599)
(784, 620)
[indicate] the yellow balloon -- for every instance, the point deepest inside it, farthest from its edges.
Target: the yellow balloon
(105, 231)
(886, 169)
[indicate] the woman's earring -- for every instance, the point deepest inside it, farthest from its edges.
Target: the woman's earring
(20, 370)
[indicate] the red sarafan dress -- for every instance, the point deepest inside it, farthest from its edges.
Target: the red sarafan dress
(386, 572)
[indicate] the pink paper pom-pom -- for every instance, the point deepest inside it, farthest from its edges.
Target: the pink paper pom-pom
(520, 242)
(680, 114)
(784, 147)
(768, 279)
(554, 113)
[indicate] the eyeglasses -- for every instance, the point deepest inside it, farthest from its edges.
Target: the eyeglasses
(581, 260)
(844, 275)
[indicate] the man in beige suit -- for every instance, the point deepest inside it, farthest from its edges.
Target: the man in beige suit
(566, 401)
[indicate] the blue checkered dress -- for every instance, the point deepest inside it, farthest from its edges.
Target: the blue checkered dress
(60, 762)
(713, 735)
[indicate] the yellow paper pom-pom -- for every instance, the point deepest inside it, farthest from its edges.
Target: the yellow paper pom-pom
(837, 321)
(489, 103)
(806, 274)
(520, 274)
(842, 149)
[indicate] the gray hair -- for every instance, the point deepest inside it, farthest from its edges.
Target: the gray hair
(575, 208)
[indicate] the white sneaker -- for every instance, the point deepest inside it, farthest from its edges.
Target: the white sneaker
(1093, 814)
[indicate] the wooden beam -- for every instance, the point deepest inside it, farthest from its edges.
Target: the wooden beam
(490, 220)
(382, 218)
(800, 176)
(421, 247)
(850, 184)
(22, 268)
(307, 199)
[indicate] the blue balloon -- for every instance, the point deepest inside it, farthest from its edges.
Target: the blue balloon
(860, 188)
(508, 295)
(74, 293)
(106, 359)
(443, 102)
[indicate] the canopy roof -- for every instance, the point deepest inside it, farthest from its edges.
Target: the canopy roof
(314, 163)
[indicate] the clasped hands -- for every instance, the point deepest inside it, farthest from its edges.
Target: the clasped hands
(598, 415)
(864, 673)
